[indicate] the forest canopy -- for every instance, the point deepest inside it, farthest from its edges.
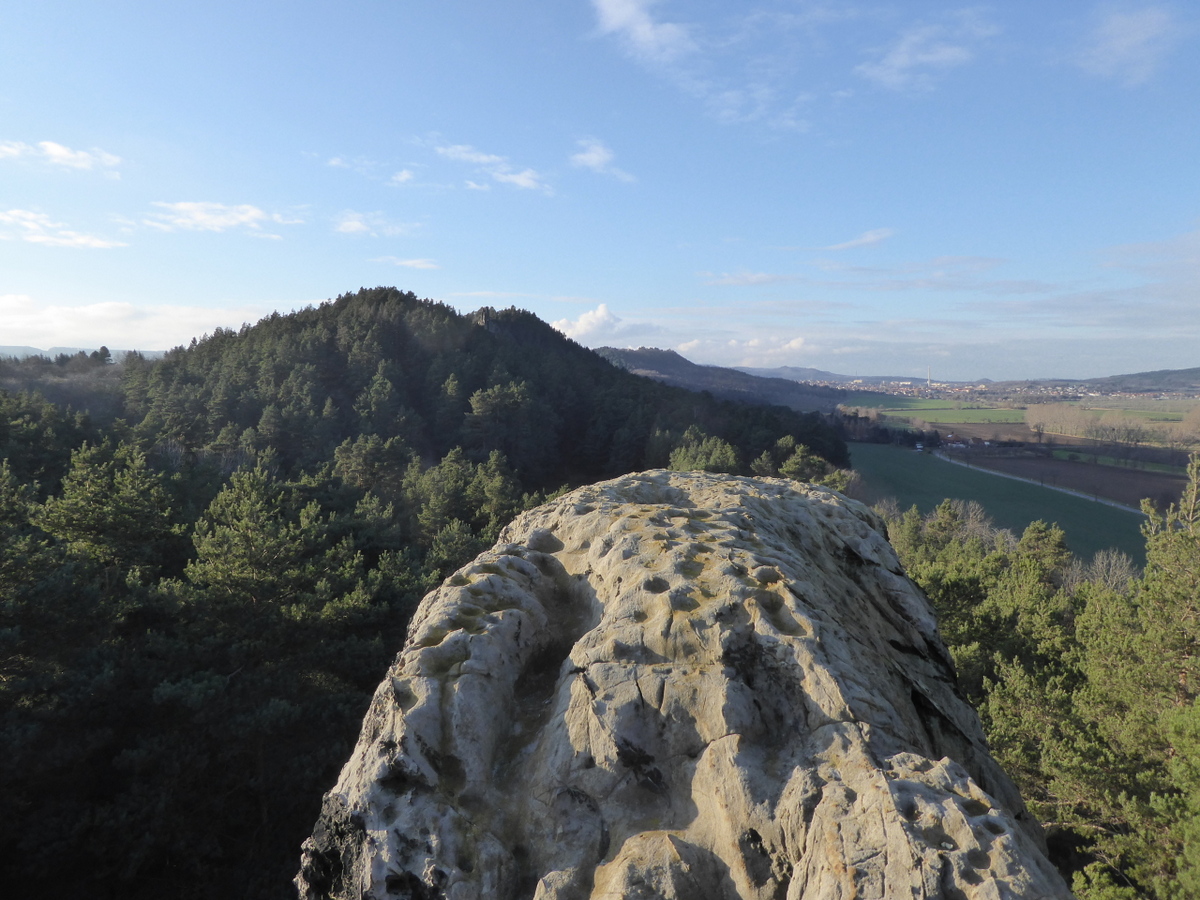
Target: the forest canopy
(202, 582)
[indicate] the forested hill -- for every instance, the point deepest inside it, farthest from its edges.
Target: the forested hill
(1160, 380)
(200, 588)
(762, 386)
(381, 362)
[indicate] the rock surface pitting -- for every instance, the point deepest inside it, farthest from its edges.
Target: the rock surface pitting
(676, 685)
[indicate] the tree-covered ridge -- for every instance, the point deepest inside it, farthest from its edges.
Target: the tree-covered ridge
(384, 362)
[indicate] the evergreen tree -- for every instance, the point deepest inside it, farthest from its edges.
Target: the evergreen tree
(113, 509)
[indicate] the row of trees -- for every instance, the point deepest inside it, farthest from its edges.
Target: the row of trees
(1088, 682)
(1115, 433)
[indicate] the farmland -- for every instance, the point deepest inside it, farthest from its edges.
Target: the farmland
(923, 480)
(935, 411)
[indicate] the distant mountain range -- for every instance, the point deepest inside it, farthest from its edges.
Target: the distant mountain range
(803, 373)
(22, 352)
(669, 367)
(746, 382)
(1162, 380)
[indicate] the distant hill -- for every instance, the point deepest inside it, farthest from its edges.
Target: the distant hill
(670, 368)
(1160, 380)
(803, 373)
(383, 362)
(794, 373)
(22, 352)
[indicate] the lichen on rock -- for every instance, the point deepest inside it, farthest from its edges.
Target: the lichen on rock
(676, 685)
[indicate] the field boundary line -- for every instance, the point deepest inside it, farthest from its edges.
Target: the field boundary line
(1062, 490)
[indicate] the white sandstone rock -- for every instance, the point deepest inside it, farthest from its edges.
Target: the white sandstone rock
(676, 685)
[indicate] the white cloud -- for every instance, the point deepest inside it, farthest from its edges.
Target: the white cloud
(351, 223)
(866, 239)
(204, 216)
(642, 35)
(1130, 45)
(28, 321)
(402, 177)
(476, 186)
(921, 51)
(373, 224)
(601, 326)
(38, 228)
(408, 263)
(56, 154)
(526, 178)
(59, 155)
(498, 167)
(595, 321)
(595, 155)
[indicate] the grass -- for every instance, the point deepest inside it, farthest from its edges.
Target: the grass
(965, 416)
(923, 480)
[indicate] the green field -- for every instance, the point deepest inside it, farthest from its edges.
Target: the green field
(936, 412)
(948, 415)
(923, 480)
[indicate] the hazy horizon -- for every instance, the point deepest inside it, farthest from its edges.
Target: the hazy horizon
(1002, 192)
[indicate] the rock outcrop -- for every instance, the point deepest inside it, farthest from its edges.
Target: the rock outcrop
(676, 686)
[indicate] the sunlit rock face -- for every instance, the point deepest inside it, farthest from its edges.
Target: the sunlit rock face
(676, 685)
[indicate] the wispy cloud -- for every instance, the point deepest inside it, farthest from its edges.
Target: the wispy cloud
(595, 155)
(370, 224)
(467, 153)
(361, 164)
(866, 239)
(773, 350)
(55, 154)
(944, 274)
(642, 35)
(924, 51)
(526, 178)
(205, 216)
(1130, 45)
(745, 279)
(402, 177)
(39, 228)
(740, 67)
(497, 167)
(408, 263)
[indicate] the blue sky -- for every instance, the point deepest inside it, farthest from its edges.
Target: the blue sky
(994, 191)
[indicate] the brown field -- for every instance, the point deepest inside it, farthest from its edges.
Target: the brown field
(1121, 485)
